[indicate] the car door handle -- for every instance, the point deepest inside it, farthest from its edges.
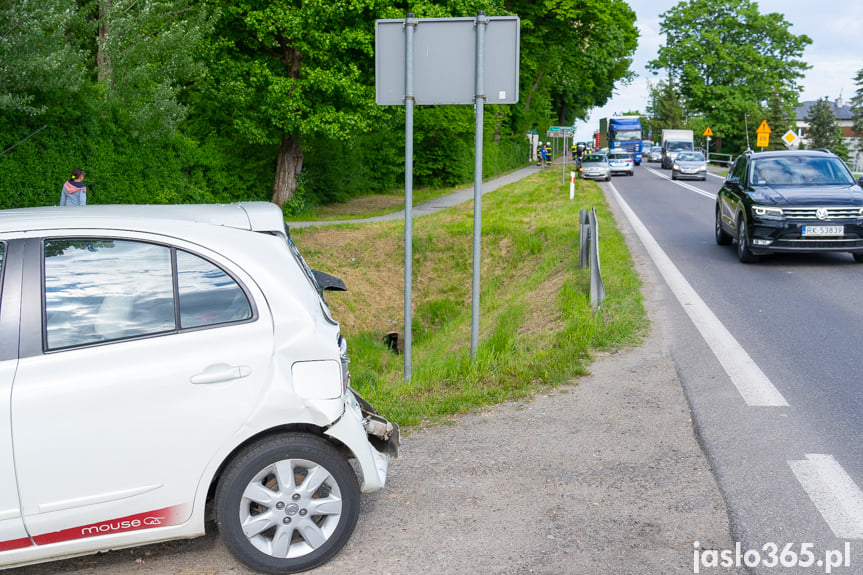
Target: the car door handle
(221, 372)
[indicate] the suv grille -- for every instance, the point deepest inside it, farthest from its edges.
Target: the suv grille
(848, 213)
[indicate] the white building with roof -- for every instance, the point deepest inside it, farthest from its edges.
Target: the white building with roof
(842, 113)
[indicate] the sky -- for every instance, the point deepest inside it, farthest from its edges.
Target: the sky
(835, 28)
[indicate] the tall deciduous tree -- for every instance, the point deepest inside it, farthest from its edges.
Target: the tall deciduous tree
(284, 71)
(665, 109)
(39, 68)
(729, 58)
(572, 54)
(146, 53)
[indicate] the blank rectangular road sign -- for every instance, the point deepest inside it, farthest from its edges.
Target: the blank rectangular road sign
(445, 61)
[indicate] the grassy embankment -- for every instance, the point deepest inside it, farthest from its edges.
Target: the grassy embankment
(537, 328)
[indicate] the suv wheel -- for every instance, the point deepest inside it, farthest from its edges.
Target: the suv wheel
(723, 238)
(744, 253)
(287, 503)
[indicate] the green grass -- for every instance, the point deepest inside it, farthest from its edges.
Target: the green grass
(537, 327)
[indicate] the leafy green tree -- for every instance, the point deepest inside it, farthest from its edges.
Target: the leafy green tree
(572, 54)
(824, 132)
(40, 68)
(857, 109)
(283, 72)
(729, 58)
(146, 54)
(665, 108)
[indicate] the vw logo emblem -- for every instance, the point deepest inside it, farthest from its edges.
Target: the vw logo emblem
(821, 213)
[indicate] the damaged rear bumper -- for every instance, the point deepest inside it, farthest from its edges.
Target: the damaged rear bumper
(371, 439)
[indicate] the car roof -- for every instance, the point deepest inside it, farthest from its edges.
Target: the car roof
(815, 152)
(252, 216)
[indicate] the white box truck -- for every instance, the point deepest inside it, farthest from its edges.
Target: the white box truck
(674, 142)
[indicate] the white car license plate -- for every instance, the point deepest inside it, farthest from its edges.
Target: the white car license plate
(810, 231)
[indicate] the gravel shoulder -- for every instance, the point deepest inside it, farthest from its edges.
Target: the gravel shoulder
(601, 476)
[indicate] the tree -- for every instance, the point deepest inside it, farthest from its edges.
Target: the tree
(283, 72)
(40, 69)
(857, 108)
(728, 59)
(778, 116)
(824, 132)
(146, 54)
(665, 109)
(572, 54)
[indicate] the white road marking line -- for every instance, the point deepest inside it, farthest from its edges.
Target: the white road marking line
(833, 492)
(710, 195)
(752, 384)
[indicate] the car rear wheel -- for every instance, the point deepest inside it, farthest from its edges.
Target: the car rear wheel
(744, 253)
(723, 238)
(287, 504)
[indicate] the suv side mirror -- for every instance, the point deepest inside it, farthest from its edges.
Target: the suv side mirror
(860, 181)
(733, 182)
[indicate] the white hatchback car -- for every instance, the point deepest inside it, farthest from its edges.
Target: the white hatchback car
(160, 361)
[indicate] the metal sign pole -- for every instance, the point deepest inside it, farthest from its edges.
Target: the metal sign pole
(410, 27)
(479, 101)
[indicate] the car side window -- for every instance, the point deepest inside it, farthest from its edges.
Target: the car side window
(98, 290)
(208, 295)
(101, 290)
(739, 169)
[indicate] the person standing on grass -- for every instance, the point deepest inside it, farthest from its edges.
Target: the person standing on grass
(74, 191)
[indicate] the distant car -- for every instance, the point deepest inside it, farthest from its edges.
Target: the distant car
(163, 366)
(790, 201)
(621, 163)
(689, 165)
(655, 154)
(595, 167)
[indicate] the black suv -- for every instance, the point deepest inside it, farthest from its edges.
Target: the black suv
(790, 201)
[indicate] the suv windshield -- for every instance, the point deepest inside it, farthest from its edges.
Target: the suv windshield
(800, 171)
(690, 157)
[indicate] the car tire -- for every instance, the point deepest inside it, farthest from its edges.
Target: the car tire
(277, 524)
(723, 238)
(744, 252)
(673, 175)
(607, 178)
(858, 257)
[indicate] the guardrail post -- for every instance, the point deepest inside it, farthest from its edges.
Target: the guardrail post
(597, 289)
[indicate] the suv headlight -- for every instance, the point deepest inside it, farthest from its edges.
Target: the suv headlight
(767, 212)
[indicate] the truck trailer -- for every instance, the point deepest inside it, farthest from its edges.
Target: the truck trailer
(622, 133)
(674, 142)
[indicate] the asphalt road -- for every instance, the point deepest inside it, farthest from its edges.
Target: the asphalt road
(605, 476)
(790, 472)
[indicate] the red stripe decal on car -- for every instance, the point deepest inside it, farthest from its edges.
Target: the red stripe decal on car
(15, 544)
(147, 520)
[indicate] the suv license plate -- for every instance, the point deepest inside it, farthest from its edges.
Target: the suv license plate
(809, 231)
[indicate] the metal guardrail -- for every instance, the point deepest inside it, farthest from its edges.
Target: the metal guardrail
(588, 254)
(724, 159)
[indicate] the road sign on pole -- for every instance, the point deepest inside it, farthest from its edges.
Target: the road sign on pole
(423, 61)
(763, 135)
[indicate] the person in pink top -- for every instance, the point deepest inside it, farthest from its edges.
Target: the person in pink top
(74, 191)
